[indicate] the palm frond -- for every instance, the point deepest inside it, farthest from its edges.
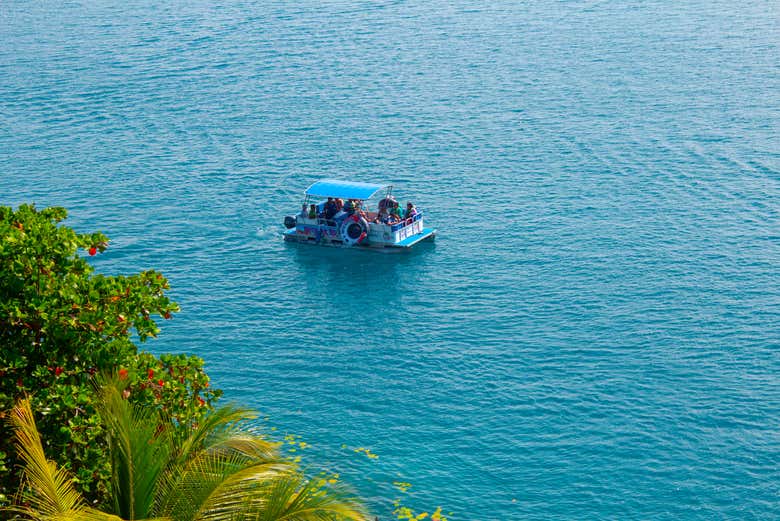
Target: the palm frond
(293, 497)
(51, 490)
(215, 478)
(217, 428)
(91, 514)
(220, 447)
(81, 514)
(249, 445)
(140, 448)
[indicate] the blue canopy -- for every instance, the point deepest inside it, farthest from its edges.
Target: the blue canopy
(343, 189)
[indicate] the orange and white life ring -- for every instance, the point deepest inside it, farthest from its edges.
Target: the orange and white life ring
(354, 230)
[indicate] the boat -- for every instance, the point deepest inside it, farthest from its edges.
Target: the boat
(338, 214)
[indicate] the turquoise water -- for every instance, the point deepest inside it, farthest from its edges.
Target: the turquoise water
(594, 334)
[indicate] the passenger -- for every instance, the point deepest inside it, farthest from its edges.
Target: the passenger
(330, 208)
(383, 210)
(395, 213)
(339, 204)
(386, 203)
(349, 207)
(411, 211)
(358, 206)
(304, 212)
(313, 212)
(382, 215)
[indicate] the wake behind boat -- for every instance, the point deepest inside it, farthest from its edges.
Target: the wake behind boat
(337, 213)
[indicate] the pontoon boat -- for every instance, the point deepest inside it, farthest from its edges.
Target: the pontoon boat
(339, 213)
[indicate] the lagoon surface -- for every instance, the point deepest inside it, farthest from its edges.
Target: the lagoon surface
(595, 333)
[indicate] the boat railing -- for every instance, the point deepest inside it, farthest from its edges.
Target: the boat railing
(406, 222)
(407, 227)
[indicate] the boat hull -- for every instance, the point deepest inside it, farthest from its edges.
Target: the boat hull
(426, 235)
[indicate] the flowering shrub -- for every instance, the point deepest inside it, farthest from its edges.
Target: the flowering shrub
(60, 324)
(176, 384)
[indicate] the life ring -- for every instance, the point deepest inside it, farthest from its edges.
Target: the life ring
(354, 230)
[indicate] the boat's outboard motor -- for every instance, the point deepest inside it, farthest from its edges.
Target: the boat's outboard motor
(290, 221)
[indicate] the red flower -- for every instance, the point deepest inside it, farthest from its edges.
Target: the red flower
(122, 374)
(58, 371)
(160, 382)
(92, 251)
(201, 401)
(151, 373)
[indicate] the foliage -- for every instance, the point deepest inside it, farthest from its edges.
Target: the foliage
(60, 323)
(401, 511)
(214, 470)
(407, 514)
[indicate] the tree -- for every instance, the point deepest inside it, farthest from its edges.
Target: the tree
(60, 323)
(218, 470)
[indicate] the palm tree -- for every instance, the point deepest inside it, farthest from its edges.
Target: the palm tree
(218, 470)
